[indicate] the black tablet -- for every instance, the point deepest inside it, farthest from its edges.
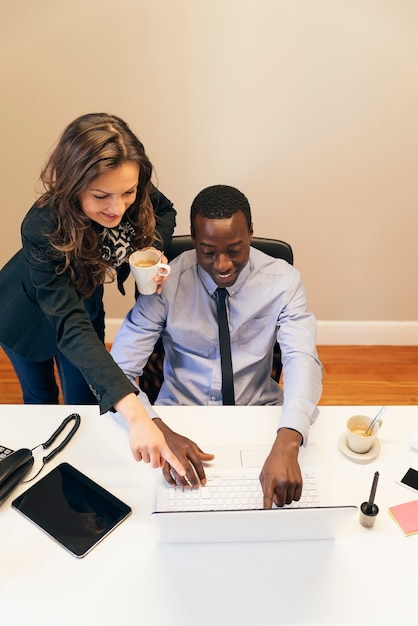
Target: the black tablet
(72, 509)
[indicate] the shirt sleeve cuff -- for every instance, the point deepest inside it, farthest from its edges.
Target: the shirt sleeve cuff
(299, 417)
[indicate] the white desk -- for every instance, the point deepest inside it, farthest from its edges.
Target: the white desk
(366, 576)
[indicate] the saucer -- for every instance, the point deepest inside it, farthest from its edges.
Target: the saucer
(365, 457)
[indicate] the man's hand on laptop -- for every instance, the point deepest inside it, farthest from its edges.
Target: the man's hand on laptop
(280, 477)
(190, 456)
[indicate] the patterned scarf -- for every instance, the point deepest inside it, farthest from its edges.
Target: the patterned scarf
(116, 242)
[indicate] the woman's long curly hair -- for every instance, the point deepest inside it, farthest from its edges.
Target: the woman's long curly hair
(90, 146)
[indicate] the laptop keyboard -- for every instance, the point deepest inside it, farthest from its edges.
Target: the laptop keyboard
(4, 452)
(226, 491)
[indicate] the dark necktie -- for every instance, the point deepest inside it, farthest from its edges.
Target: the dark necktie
(228, 395)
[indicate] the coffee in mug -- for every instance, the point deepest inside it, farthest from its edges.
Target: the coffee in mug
(144, 263)
(145, 266)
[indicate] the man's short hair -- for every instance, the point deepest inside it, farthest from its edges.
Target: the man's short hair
(219, 202)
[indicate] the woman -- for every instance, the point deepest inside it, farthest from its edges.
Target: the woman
(98, 206)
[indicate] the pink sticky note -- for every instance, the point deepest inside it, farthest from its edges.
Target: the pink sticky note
(406, 516)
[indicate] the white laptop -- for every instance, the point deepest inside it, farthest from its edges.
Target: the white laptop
(213, 513)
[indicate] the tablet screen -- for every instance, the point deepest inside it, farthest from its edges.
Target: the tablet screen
(72, 509)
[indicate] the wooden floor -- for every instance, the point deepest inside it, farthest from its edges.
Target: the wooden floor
(369, 375)
(353, 375)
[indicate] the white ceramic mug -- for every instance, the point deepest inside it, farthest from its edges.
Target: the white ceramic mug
(145, 266)
(356, 428)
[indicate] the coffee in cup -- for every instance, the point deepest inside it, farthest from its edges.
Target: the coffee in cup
(144, 263)
(358, 439)
(145, 266)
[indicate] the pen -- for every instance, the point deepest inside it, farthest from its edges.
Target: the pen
(369, 507)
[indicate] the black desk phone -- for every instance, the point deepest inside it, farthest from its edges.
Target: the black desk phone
(15, 465)
(13, 469)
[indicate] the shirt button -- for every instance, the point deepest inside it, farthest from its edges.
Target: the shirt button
(217, 376)
(213, 399)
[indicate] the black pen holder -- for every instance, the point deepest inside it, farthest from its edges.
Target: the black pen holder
(368, 514)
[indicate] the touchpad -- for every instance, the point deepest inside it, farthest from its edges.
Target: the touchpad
(254, 457)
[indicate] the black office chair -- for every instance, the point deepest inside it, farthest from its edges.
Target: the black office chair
(273, 247)
(152, 377)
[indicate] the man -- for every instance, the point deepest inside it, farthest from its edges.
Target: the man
(266, 301)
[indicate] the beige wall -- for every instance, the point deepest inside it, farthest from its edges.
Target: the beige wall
(308, 106)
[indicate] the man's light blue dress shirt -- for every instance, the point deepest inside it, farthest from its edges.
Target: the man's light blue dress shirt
(267, 302)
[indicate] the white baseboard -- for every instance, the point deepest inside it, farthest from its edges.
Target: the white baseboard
(340, 333)
(367, 333)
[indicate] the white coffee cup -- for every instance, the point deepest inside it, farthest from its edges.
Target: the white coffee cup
(356, 428)
(145, 266)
